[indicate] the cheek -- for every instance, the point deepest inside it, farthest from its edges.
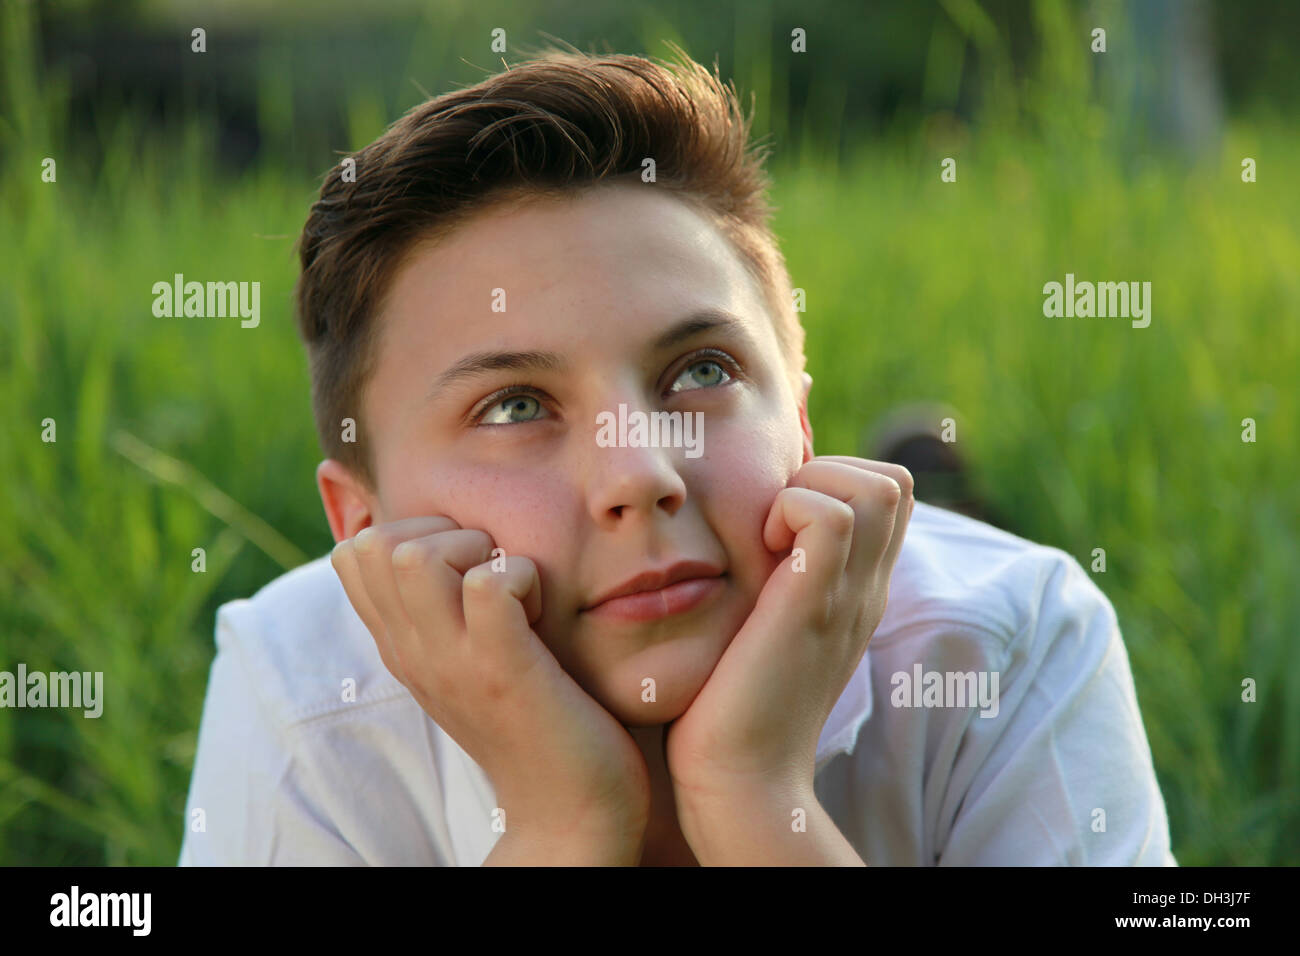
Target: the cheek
(519, 508)
(525, 511)
(744, 470)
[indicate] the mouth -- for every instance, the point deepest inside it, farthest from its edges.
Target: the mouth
(650, 595)
(676, 598)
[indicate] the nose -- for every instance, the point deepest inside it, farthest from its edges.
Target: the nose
(632, 481)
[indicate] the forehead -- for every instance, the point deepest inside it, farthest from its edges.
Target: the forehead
(613, 257)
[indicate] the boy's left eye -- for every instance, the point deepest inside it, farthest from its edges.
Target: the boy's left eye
(714, 374)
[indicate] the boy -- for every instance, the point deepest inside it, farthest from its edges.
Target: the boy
(594, 598)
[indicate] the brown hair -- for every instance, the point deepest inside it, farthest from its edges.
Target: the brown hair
(549, 126)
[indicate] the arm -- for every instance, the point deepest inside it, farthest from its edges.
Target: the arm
(759, 828)
(1063, 775)
(594, 846)
(252, 793)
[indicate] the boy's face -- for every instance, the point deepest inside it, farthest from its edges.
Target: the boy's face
(599, 282)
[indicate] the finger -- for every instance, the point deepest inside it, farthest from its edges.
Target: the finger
(871, 497)
(429, 572)
(819, 524)
(345, 566)
(373, 549)
(906, 502)
(501, 607)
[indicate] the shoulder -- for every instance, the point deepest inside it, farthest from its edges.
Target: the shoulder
(1004, 703)
(305, 733)
(955, 573)
(300, 644)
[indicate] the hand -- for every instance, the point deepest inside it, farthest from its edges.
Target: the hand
(458, 636)
(752, 730)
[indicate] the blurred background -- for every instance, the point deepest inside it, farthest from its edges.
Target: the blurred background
(1079, 433)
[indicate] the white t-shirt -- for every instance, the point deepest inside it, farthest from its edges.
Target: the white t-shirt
(1050, 765)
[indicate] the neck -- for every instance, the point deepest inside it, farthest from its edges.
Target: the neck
(664, 843)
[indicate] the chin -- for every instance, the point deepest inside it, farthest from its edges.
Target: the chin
(678, 676)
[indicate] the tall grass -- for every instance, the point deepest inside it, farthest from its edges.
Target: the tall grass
(174, 434)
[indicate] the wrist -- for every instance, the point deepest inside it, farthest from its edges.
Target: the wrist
(781, 826)
(710, 813)
(585, 846)
(575, 836)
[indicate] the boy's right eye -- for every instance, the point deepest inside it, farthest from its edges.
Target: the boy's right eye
(510, 406)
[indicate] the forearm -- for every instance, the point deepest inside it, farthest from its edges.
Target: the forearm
(785, 829)
(529, 846)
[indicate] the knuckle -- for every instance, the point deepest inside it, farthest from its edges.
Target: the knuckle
(365, 539)
(895, 493)
(482, 580)
(841, 516)
(889, 491)
(415, 556)
(906, 483)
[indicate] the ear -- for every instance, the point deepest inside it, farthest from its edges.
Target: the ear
(349, 505)
(808, 453)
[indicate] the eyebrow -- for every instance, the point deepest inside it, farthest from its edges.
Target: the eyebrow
(480, 363)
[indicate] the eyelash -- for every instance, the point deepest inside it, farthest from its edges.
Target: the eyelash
(730, 365)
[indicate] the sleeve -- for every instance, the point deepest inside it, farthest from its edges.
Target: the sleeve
(250, 799)
(1063, 775)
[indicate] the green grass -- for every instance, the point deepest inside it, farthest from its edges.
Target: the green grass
(183, 433)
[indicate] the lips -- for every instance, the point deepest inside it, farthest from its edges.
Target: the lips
(668, 586)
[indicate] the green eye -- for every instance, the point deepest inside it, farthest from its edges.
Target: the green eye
(512, 410)
(705, 373)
